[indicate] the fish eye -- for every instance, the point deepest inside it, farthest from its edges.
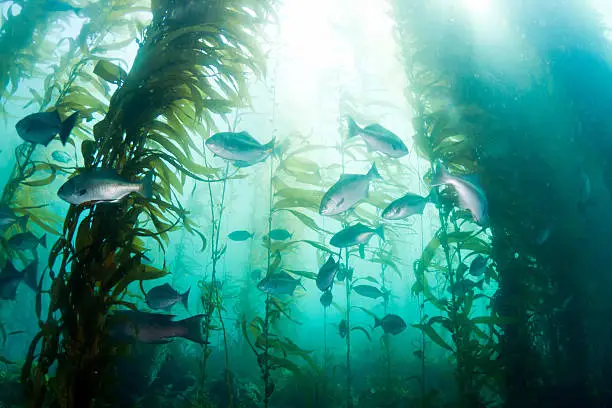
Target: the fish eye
(82, 191)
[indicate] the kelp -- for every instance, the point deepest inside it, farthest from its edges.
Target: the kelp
(164, 99)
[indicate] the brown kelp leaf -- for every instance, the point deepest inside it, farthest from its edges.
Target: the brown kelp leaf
(110, 72)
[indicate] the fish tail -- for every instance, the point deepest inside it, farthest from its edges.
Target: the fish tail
(480, 285)
(377, 322)
(194, 329)
(440, 176)
(43, 241)
(30, 276)
(185, 299)
(300, 283)
(373, 173)
(353, 128)
(23, 221)
(67, 126)
(380, 231)
(146, 186)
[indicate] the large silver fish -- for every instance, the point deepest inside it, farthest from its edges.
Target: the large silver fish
(240, 147)
(133, 325)
(165, 296)
(378, 139)
(357, 234)
(279, 283)
(327, 272)
(102, 185)
(405, 206)
(470, 193)
(347, 192)
(41, 128)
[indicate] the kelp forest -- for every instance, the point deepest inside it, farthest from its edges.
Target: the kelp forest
(281, 203)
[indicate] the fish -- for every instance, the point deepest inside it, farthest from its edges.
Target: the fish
(256, 274)
(465, 286)
(10, 278)
(391, 324)
(280, 234)
(478, 266)
(406, 206)
(378, 139)
(279, 283)
(327, 272)
(40, 128)
(370, 291)
(165, 296)
(341, 275)
(470, 193)
(349, 190)
(145, 327)
(8, 218)
(26, 241)
(240, 235)
(61, 156)
(239, 147)
(98, 185)
(59, 6)
(358, 234)
(326, 298)
(343, 328)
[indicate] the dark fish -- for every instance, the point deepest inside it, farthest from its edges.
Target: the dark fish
(133, 325)
(357, 234)
(59, 6)
(347, 192)
(369, 291)
(379, 139)
(102, 185)
(465, 286)
(8, 218)
(61, 156)
(478, 266)
(256, 274)
(326, 298)
(343, 328)
(41, 128)
(341, 275)
(391, 324)
(406, 206)
(165, 296)
(10, 278)
(325, 277)
(470, 193)
(239, 147)
(280, 234)
(26, 241)
(240, 235)
(279, 283)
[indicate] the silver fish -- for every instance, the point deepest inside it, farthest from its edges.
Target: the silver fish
(279, 283)
(327, 272)
(133, 325)
(406, 206)
(470, 193)
(102, 185)
(41, 128)
(61, 156)
(240, 235)
(26, 241)
(8, 218)
(165, 296)
(379, 139)
(478, 266)
(347, 192)
(280, 234)
(357, 234)
(369, 291)
(391, 324)
(326, 298)
(239, 147)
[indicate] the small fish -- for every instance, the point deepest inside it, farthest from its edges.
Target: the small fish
(327, 272)
(279, 283)
(8, 218)
(341, 275)
(26, 241)
(240, 235)
(465, 286)
(379, 139)
(357, 234)
(134, 325)
(10, 278)
(239, 147)
(165, 296)
(391, 324)
(347, 192)
(478, 266)
(280, 234)
(369, 291)
(61, 156)
(97, 185)
(470, 193)
(326, 298)
(256, 274)
(406, 206)
(59, 6)
(343, 328)
(41, 128)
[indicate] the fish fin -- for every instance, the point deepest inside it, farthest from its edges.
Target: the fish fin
(373, 173)
(67, 126)
(185, 299)
(380, 231)
(377, 322)
(23, 221)
(43, 241)
(270, 145)
(193, 325)
(353, 128)
(480, 285)
(146, 185)
(440, 176)
(167, 309)
(30, 276)
(300, 283)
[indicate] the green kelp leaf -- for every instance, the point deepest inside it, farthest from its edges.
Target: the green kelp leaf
(277, 362)
(369, 279)
(362, 251)
(275, 263)
(110, 72)
(318, 246)
(297, 164)
(45, 180)
(433, 335)
(311, 196)
(305, 274)
(388, 262)
(307, 221)
(367, 312)
(6, 361)
(429, 252)
(363, 330)
(495, 320)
